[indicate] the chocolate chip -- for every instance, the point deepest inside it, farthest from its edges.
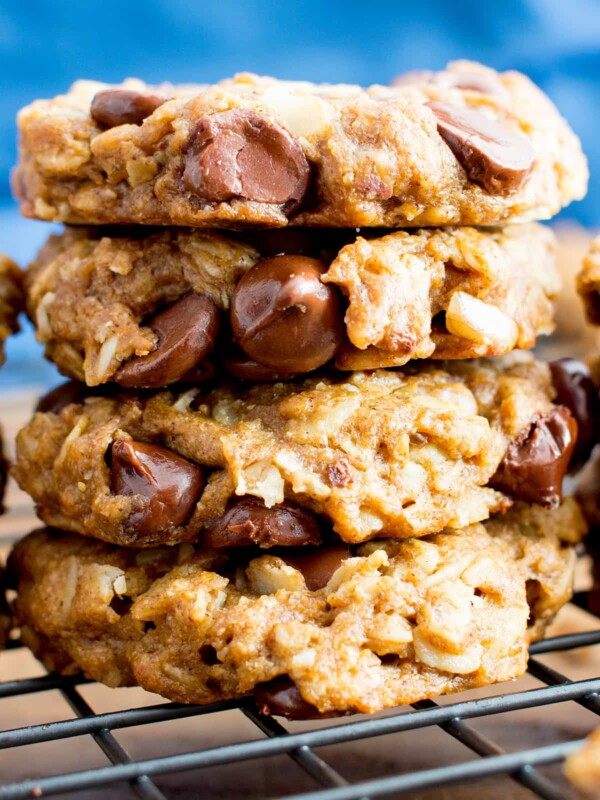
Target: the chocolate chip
(280, 697)
(318, 565)
(60, 397)
(575, 390)
(246, 369)
(171, 484)
(186, 331)
(248, 521)
(284, 316)
(284, 241)
(202, 373)
(238, 153)
(535, 463)
(122, 107)
(493, 156)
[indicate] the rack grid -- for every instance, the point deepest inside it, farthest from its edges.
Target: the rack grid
(454, 718)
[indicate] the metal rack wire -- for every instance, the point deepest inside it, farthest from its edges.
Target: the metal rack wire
(454, 718)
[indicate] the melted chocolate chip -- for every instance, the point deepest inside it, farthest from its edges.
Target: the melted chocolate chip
(122, 107)
(575, 390)
(280, 697)
(249, 522)
(285, 317)
(171, 484)
(240, 154)
(284, 241)
(493, 156)
(535, 463)
(246, 369)
(62, 396)
(318, 565)
(187, 331)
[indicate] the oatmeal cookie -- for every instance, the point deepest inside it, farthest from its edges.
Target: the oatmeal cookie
(388, 453)
(5, 619)
(143, 309)
(588, 282)
(582, 768)
(11, 299)
(390, 623)
(465, 146)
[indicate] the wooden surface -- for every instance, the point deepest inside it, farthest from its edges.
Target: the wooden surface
(278, 776)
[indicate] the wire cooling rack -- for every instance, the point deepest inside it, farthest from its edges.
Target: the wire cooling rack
(137, 777)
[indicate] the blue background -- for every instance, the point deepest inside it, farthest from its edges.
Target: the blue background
(44, 46)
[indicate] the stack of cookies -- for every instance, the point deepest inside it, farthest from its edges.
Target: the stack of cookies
(298, 456)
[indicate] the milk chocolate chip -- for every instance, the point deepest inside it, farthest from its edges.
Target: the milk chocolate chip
(575, 390)
(122, 107)
(284, 317)
(238, 364)
(493, 156)
(171, 484)
(62, 396)
(238, 153)
(317, 566)
(535, 463)
(280, 697)
(186, 331)
(248, 521)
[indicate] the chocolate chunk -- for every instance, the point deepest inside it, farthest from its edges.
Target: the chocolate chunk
(284, 242)
(122, 107)
(318, 565)
(285, 317)
(248, 521)
(60, 397)
(246, 369)
(171, 484)
(575, 390)
(240, 154)
(535, 463)
(186, 331)
(280, 697)
(493, 156)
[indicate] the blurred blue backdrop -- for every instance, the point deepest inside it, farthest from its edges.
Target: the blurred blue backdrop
(44, 46)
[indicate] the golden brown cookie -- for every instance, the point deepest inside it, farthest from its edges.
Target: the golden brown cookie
(11, 299)
(465, 146)
(393, 623)
(131, 307)
(582, 768)
(386, 453)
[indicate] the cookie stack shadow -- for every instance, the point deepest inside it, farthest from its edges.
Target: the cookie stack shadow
(303, 452)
